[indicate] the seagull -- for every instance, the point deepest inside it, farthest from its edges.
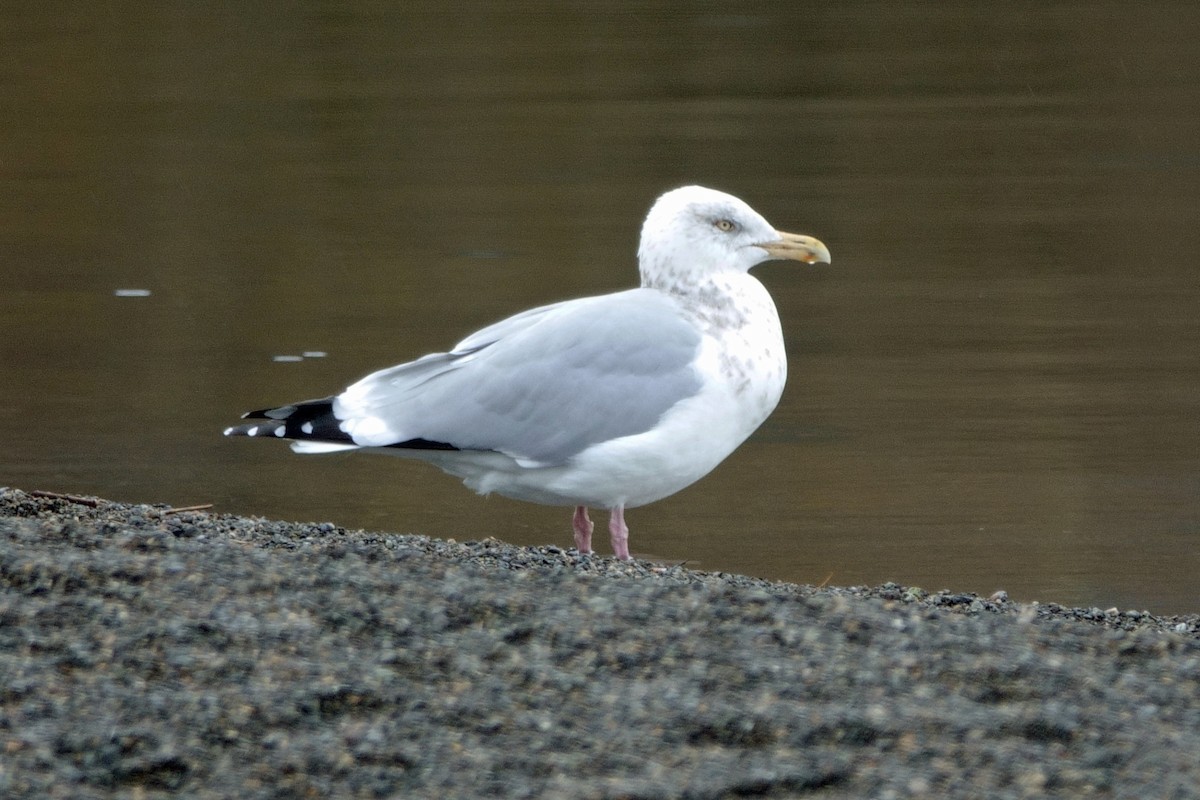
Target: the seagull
(607, 402)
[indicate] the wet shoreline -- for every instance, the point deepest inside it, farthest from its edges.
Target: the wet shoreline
(180, 651)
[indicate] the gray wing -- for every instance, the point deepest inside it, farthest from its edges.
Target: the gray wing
(541, 386)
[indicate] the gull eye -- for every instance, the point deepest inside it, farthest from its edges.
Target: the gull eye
(725, 225)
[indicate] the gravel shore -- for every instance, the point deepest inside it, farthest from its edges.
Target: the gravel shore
(148, 651)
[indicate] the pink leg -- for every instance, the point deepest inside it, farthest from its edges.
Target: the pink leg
(619, 532)
(583, 530)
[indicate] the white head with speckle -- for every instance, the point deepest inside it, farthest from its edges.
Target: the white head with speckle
(693, 232)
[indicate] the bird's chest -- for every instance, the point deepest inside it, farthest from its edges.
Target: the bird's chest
(745, 352)
(753, 367)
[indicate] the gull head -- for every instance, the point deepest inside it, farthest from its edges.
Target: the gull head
(693, 232)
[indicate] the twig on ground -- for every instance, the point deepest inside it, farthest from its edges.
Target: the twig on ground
(91, 502)
(181, 509)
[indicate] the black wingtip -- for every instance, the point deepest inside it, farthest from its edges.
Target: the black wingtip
(312, 420)
(283, 412)
(423, 444)
(261, 430)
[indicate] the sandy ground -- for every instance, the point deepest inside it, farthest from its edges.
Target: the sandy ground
(148, 651)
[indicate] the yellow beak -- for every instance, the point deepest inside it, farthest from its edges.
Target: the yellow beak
(797, 247)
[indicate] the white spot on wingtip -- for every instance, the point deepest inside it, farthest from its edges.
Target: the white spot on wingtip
(307, 428)
(279, 431)
(229, 431)
(252, 431)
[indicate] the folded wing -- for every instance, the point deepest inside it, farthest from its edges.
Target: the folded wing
(539, 387)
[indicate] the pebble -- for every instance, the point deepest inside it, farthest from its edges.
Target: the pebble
(209, 655)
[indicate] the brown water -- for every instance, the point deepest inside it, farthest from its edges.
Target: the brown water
(997, 385)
